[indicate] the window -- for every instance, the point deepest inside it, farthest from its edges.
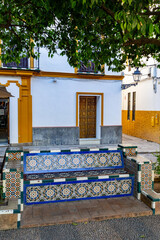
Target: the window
(90, 68)
(23, 63)
(129, 106)
(133, 106)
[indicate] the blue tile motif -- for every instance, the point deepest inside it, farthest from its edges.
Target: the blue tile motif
(72, 161)
(87, 189)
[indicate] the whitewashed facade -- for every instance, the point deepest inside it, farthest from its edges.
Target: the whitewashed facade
(45, 108)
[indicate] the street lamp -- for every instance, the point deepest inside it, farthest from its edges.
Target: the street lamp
(137, 75)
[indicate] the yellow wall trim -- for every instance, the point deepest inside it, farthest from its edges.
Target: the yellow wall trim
(38, 73)
(0, 53)
(31, 58)
(12, 72)
(76, 75)
(86, 94)
(25, 111)
(9, 82)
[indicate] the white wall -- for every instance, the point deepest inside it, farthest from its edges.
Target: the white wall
(13, 107)
(110, 72)
(60, 64)
(54, 100)
(56, 64)
(146, 98)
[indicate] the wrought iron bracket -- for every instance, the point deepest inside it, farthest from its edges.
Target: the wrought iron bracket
(125, 86)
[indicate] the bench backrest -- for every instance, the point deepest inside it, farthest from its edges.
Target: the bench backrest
(72, 161)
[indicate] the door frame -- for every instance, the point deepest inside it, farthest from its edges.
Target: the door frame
(8, 119)
(100, 96)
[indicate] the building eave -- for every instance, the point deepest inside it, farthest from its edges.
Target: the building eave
(38, 73)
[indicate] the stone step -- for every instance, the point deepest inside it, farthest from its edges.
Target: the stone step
(89, 141)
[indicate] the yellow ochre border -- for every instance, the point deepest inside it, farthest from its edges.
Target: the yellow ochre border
(86, 94)
(38, 73)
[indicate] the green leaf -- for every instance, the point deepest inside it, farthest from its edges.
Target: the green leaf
(150, 28)
(73, 4)
(122, 26)
(157, 28)
(129, 27)
(129, 1)
(134, 23)
(74, 224)
(142, 236)
(138, 26)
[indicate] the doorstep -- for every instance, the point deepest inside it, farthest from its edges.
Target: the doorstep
(89, 141)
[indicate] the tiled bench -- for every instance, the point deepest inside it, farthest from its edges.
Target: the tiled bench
(70, 175)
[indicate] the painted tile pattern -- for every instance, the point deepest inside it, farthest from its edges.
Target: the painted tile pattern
(14, 156)
(146, 176)
(12, 185)
(45, 162)
(130, 152)
(43, 193)
(13, 175)
(143, 175)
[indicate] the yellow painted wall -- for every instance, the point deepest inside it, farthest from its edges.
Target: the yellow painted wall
(145, 126)
(25, 111)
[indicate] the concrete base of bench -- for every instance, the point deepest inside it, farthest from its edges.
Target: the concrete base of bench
(10, 215)
(151, 199)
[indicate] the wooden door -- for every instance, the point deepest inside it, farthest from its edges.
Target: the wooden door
(87, 117)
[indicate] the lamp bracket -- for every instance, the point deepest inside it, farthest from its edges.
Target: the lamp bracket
(125, 86)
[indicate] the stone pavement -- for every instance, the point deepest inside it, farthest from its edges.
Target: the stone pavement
(146, 148)
(146, 228)
(82, 211)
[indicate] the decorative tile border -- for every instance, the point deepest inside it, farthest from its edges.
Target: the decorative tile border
(13, 185)
(128, 150)
(14, 155)
(72, 161)
(144, 174)
(13, 175)
(72, 150)
(77, 190)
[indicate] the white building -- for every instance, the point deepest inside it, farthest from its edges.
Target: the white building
(56, 105)
(141, 103)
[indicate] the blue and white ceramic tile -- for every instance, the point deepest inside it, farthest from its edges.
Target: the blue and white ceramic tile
(44, 162)
(53, 192)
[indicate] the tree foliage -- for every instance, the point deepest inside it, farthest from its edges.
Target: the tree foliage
(100, 30)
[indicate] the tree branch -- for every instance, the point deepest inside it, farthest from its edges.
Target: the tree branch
(142, 41)
(109, 12)
(151, 13)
